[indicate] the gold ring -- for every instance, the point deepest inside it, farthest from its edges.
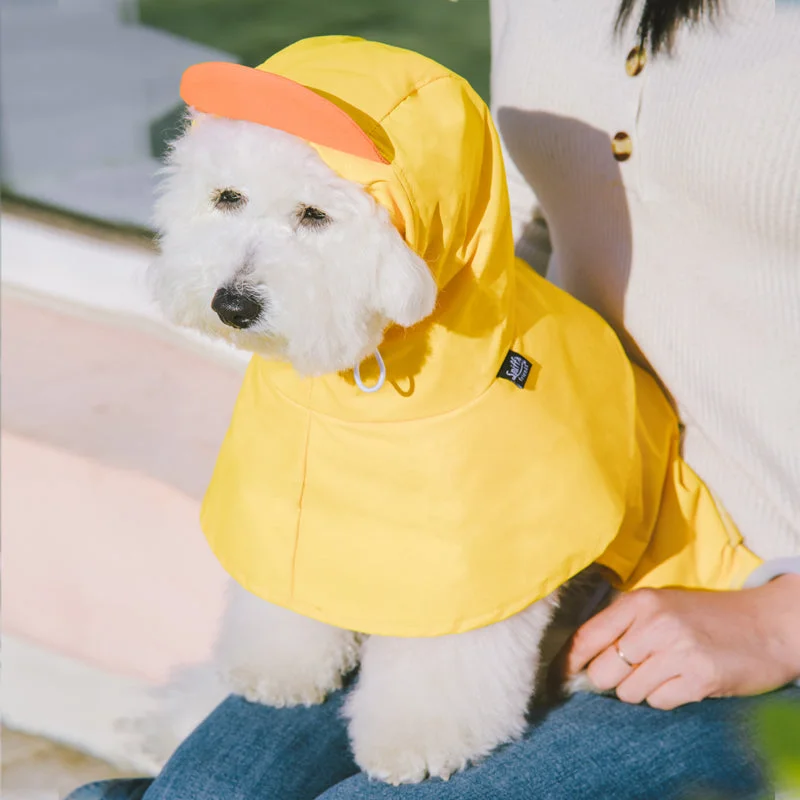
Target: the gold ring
(622, 656)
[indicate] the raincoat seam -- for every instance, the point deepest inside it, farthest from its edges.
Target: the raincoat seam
(399, 172)
(412, 91)
(300, 500)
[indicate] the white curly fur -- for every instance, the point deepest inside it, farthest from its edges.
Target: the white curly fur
(273, 656)
(429, 707)
(329, 291)
(421, 706)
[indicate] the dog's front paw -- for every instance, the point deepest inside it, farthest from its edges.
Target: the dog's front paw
(429, 707)
(397, 756)
(413, 733)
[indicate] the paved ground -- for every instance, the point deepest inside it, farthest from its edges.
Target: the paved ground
(36, 769)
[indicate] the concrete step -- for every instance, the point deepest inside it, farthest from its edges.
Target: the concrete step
(38, 769)
(79, 90)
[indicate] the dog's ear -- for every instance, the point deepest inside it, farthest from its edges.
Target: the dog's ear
(406, 288)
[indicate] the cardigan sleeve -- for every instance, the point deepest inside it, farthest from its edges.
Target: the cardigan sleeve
(772, 569)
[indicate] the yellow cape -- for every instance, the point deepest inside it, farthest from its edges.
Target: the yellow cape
(454, 498)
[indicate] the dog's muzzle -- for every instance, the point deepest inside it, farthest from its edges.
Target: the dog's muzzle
(236, 307)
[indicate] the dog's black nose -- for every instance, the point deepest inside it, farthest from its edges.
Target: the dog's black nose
(236, 308)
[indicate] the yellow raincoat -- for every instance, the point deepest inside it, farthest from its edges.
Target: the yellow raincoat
(513, 444)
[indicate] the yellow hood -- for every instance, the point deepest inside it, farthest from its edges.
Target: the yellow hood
(513, 443)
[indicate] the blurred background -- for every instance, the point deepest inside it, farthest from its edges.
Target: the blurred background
(111, 419)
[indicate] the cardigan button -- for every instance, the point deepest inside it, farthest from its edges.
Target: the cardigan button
(635, 61)
(621, 146)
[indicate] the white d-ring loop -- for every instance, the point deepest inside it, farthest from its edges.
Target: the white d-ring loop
(381, 377)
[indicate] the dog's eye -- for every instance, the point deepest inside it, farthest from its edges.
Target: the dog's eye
(312, 217)
(228, 199)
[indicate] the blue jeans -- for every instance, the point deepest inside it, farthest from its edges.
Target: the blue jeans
(591, 747)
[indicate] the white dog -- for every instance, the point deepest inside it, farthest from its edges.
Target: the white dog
(263, 245)
(266, 245)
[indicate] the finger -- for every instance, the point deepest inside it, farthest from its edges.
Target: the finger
(675, 692)
(616, 663)
(642, 682)
(608, 670)
(600, 632)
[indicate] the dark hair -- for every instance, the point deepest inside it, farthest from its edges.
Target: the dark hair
(661, 19)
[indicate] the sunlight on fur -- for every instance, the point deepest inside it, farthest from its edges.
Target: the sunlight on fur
(325, 289)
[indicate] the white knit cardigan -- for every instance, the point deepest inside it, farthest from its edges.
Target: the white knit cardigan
(690, 246)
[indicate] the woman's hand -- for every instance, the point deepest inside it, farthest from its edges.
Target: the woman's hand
(683, 646)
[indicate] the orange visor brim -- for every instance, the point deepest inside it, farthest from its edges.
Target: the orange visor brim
(234, 91)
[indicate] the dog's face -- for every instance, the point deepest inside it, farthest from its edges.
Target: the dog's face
(264, 245)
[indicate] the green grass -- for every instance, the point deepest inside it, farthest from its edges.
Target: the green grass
(453, 33)
(778, 733)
